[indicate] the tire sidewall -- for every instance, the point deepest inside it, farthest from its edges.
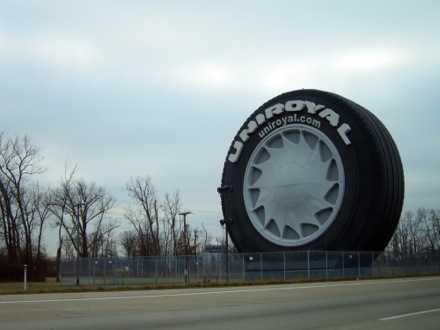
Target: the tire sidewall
(356, 162)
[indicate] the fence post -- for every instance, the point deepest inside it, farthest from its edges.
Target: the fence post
(326, 264)
(138, 280)
(203, 265)
(75, 264)
(25, 277)
(219, 268)
(343, 265)
(243, 275)
(115, 261)
(142, 268)
(104, 261)
(88, 269)
(156, 268)
(197, 267)
(308, 263)
(94, 270)
(284, 266)
(60, 271)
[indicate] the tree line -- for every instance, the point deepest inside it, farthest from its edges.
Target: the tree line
(416, 233)
(82, 215)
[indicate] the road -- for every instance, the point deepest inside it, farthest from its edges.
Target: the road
(380, 304)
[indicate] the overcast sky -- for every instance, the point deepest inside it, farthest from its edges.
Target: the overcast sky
(160, 88)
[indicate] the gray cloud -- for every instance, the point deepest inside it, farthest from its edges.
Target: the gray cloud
(160, 88)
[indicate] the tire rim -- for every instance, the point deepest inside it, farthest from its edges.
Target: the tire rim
(294, 185)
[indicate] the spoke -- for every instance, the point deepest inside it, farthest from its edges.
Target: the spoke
(317, 204)
(294, 223)
(263, 198)
(267, 175)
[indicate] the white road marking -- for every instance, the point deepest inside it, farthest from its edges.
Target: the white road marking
(409, 314)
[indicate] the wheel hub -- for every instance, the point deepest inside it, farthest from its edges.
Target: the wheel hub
(290, 186)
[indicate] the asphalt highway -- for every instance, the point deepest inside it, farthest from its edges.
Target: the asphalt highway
(412, 303)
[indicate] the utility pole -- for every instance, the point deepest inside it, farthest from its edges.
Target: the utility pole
(186, 271)
(195, 240)
(78, 241)
(184, 214)
(77, 245)
(225, 224)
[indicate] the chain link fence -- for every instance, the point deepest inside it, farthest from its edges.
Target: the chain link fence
(218, 267)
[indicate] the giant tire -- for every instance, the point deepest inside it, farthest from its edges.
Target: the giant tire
(294, 179)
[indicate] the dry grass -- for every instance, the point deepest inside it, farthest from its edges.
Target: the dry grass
(50, 286)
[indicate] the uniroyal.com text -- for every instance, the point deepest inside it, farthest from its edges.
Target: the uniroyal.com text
(289, 120)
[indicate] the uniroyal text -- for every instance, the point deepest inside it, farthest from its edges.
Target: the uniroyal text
(289, 106)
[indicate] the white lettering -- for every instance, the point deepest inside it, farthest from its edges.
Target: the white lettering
(331, 116)
(252, 126)
(294, 105)
(234, 157)
(343, 130)
(289, 106)
(313, 108)
(275, 110)
(260, 118)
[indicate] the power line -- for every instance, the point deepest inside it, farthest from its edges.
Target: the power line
(206, 211)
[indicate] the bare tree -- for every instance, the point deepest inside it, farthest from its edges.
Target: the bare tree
(431, 222)
(171, 209)
(435, 227)
(128, 241)
(19, 161)
(57, 202)
(417, 233)
(80, 208)
(40, 214)
(145, 217)
(414, 230)
(69, 250)
(141, 227)
(402, 240)
(206, 238)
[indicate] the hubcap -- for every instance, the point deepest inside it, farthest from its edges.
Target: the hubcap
(293, 185)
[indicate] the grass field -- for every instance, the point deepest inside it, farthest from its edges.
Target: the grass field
(50, 285)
